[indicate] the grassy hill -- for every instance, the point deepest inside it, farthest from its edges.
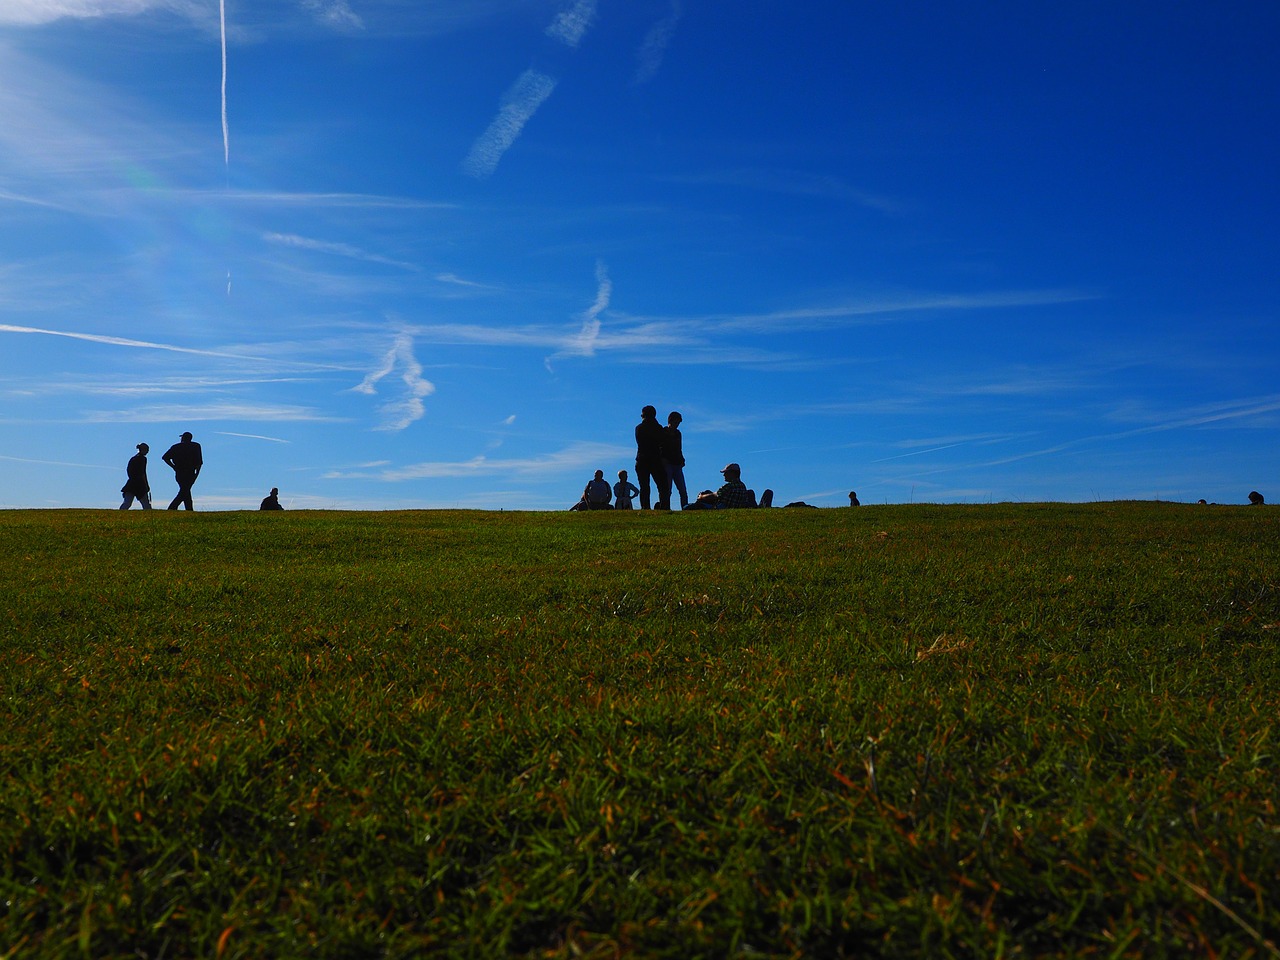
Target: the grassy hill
(900, 731)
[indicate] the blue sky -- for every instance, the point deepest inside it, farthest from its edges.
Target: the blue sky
(439, 254)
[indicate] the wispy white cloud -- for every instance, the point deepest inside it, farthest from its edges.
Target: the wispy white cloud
(571, 24)
(130, 386)
(34, 12)
(920, 448)
(796, 183)
(707, 338)
(334, 13)
(655, 44)
(583, 343)
(278, 198)
(574, 457)
(336, 249)
(457, 281)
(1233, 412)
(518, 105)
(408, 407)
(8, 197)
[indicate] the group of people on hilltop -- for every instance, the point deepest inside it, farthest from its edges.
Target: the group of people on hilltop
(660, 470)
(186, 459)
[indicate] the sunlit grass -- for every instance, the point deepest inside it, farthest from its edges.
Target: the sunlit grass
(1041, 730)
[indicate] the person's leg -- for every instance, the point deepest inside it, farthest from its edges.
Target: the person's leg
(183, 497)
(128, 501)
(642, 478)
(676, 475)
(664, 486)
(145, 500)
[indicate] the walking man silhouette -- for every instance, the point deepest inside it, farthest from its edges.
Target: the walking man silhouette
(186, 459)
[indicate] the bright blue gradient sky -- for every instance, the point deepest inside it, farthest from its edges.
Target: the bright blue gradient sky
(446, 250)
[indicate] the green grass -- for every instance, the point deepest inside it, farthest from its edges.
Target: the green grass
(945, 731)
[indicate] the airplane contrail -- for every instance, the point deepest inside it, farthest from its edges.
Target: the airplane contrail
(226, 139)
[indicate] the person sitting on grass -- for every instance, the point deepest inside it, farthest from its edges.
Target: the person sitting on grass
(272, 500)
(596, 495)
(624, 491)
(732, 495)
(1256, 499)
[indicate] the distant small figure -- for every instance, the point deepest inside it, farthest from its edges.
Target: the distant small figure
(732, 495)
(186, 459)
(596, 494)
(623, 492)
(853, 499)
(1255, 498)
(136, 486)
(1202, 501)
(272, 500)
(673, 456)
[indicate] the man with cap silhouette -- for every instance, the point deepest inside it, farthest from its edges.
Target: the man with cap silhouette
(186, 459)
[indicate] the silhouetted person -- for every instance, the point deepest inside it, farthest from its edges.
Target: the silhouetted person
(186, 459)
(595, 495)
(136, 486)
(853, 499)
(623, 492)
(271, 501)
(649, 465)
(732, 495)
(673, 456)
(1255, 498)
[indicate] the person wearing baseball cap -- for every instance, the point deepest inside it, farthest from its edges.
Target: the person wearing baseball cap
(186, 459)
(732, 495)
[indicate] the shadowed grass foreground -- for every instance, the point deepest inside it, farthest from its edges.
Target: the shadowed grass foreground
(1041, 730)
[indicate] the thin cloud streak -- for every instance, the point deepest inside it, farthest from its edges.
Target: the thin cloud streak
(797, 184)
(57, 463)
(336, 249)
(185, 413)
(226, 136)
(519, 104)
(1222, 413)
(125, 342)
(250, 436)
(700, 338)
(576, 456)
(363, 200)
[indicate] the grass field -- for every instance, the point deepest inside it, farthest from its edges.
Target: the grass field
(900, 731)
